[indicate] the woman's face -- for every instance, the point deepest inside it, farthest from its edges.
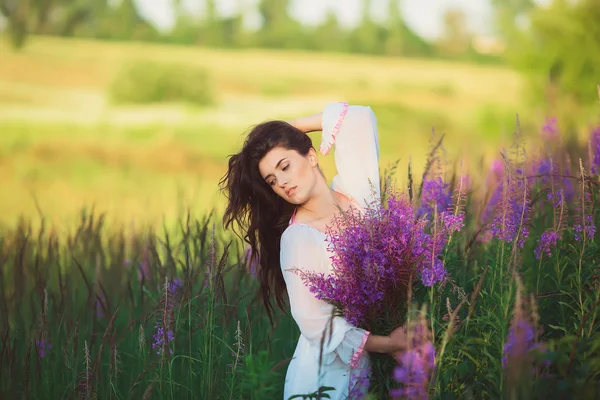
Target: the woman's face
(290, 174)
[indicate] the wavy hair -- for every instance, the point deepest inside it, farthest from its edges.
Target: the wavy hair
(260, 214)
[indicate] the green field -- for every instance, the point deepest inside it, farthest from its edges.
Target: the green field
(64, 145)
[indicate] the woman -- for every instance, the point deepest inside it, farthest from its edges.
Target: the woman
(279, 197)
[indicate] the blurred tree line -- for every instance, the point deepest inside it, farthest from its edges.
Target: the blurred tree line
(121, 20)
(556, 45)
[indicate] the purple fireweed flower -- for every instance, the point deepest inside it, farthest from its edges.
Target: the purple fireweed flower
(162, 339)
(42, 346)
(416, 364)
(584, 227)
(251, 263)
(435, 197)
(511, 216)
(375, 253)
(567, 186)
(100, 301)
(550, 129)
(144, 271)
(595, 151)
(175, 286)
(589, 227)
(359, 384)
(546, 242)
(164, 334)
(521, 339)
(522, 346)
(497, 168)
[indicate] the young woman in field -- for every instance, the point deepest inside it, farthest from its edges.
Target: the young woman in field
(280, 199)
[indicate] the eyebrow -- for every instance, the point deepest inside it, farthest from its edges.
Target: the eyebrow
(276, 166)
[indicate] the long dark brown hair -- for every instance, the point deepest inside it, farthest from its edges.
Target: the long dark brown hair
(260, 214)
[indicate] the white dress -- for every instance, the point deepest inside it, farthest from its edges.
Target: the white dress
(353, 129)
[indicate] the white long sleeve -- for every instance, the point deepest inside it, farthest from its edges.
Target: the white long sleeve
(352, 130)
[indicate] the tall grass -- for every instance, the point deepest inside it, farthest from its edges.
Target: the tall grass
(134, 313)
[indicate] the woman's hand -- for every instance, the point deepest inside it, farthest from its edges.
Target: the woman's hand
(397, 340)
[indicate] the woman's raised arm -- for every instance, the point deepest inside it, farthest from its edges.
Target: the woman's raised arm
(308, 123)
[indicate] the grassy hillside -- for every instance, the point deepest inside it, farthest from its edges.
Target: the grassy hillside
(64, 145)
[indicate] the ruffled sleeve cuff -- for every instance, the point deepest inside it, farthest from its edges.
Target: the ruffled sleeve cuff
(359, 352)
(352, 347)
(333, 117)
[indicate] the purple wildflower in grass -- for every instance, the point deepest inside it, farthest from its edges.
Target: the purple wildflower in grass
(359, 384)
(251, 263)
(595, 151)
(497, 169)
(584, 227)
(544, 169)
(550, 129)
(522, 345)
(511, 216)
(567, 186)
(175, 286)
(416, 363)
(42, 346)
(164, 334)
(546, 242)
(435, 197)
(162, 339)
(588, 229)
(144, 271)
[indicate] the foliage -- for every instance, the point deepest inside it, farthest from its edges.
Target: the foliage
(151, 82)
(97, 311)
(558, 48)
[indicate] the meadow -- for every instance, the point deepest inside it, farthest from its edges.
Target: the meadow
(66, 145)
(145, 296)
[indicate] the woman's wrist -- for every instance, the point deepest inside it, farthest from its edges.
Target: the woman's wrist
(380, 344)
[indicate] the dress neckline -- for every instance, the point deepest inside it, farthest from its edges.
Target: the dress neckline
(352, 201)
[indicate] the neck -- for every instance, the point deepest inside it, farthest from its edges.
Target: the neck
(322, 204)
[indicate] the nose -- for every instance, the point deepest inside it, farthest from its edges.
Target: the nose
(282, 182)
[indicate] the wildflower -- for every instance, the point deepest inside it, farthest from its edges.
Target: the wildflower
(41, 347)
(164, 334)
(550, 129)
(162, 339)
(416, 363)
(175, 286)
(359, 384)
(373, 256)
(522, 341)
(144, 271)
(512, 214)
(595, 151)
(584, 226)
(435, 197)
(497, 168)
(251, 263)
(588, 228)
(546, 242)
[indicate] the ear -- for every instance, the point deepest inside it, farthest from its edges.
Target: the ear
(313, 158)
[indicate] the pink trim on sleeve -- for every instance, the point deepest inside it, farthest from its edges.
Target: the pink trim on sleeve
(326, 146)
(359, 352)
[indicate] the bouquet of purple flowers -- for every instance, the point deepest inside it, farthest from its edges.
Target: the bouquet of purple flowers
(375, 254)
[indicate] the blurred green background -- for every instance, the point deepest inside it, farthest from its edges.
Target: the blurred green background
(101, 106)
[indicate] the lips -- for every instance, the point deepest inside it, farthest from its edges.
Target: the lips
(290, 191)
